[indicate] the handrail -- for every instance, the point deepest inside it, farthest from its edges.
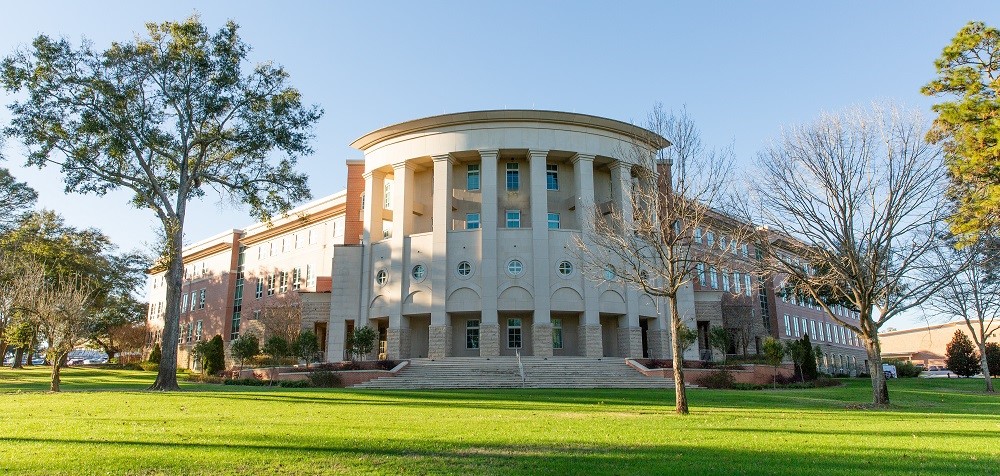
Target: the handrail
(520, 368)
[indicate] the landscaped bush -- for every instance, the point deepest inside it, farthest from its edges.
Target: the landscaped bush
(351, 365)
(905, 369)
(294, 384)
(200, 378)
(325, 379)
(133, 366)
(149, 366)
(720, 379)
(156, 354)
(248, 382)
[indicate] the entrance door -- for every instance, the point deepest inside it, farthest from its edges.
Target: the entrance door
(383, 337)
(644, 325)
(320, 329)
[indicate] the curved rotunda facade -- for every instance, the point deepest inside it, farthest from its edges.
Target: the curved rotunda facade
(468, 243)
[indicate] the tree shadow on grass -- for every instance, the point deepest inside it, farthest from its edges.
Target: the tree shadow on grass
(451, 457)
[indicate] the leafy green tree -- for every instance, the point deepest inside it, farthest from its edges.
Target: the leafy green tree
(200, 352)
(165, 116)
(19, 334)
(968, 126)
(277, 348)
(808, 364)
(960, 356)
(774, 352)
(156, 354)
(306, 346)
(16, 197)
(718, 338)
(244, 347)
(363, 341)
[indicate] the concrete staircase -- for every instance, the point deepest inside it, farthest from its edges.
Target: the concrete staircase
(502, 372)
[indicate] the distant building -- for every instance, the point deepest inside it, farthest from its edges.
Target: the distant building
(924, 345)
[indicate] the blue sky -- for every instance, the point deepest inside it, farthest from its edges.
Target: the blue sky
(743, 69)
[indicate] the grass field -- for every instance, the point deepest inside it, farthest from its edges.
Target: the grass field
(104, 423)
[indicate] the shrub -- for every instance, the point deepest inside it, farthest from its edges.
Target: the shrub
(808, 363)
(325, 379)
(156, 354)
(249, 382)
(993, 358)
(362, 341)
(133, 366)
(306, 346)
(905, 368)
(200, 378)
(215, 357)
(719, 379)
(277, 348)
(150, 366)
(294, 384)
(960, 356)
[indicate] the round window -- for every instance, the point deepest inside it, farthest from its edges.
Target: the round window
(565, 268)
(419, 271)
(609, 273)
(464, 268)
(515, 267)
(381, 277)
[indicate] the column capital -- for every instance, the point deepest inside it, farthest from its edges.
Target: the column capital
(443, 158)
(578, 157)
(489, 152)
(538, 152)
(406, 164)
(373, 173)
(618, 164)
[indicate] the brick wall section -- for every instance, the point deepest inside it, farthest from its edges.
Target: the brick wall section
(348, 377)
(752, 374)
(353, 224)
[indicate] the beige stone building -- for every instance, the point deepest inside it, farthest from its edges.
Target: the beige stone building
(924, 345)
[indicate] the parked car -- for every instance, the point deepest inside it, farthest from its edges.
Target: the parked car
(890, 371)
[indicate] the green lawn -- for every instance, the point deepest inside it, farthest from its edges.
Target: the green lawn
(104, 423)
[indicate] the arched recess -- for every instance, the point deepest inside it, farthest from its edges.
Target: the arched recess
(379, 307)
(464, 299)
(612, 302)
(515, 298)
(567, 299)
(647, 306)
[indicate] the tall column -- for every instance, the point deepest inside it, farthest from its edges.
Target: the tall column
(439, 334)
(372, 232)
(590, 322)
(489, 327)
(541, 328)
(629, 333)
(398, 345)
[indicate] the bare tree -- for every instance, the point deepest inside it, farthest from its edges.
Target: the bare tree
(851, 204)
(972, 293)
(282, 317)
(650, 242)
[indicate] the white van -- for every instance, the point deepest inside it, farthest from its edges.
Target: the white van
(890, 371)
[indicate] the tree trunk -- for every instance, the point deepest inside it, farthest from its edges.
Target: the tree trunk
(54, 387)
(3, 349)
(880, 391)
(166, 376)
(680, 391)
(985, 365)
(18, 357)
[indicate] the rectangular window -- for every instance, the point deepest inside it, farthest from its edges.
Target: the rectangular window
(829, 332)
(745, 250)
(713, 277)
(513, 177)
(313, 237)
(513, 218)
(702, 279)
(843, 338)
(513, 333)
(387, 195)
(812, 329)
(201, 298)
(551, 177)
(748, 289)
(795, 321)
(194, 300)
(197, 331)
(190, 332)
(472, 334)
(471, 221)
(557, 336)
(296, 278)
(295, 241)
(270, 285)
(203, 270)
(788, 327)
(282, 282)
(472, 179)
(697, 235)
(259, 293)
(184, 302)
(284, 245)
(310, 277)
(553, 221)
(709, 238)
(333, 228)
(725, 281)
(270, 246)
(256, 314)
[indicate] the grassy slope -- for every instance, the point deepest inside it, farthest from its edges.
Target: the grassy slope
(936, 426)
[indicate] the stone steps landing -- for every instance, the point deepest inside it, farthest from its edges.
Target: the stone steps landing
(503, 372)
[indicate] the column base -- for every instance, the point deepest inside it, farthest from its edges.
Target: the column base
(397, 344)
(630, 342)
(489, 340)
(541, 340)
(659, 343)
(439, 342)
(591, 344)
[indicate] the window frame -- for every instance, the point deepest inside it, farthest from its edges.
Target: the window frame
(512, 219)
(514, 333)
(469, 221)
(552, 177)
(557, 222)
(471, 172)
(472, 334)
(513, 176)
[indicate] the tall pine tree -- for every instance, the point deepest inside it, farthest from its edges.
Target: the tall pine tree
(961, 357)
